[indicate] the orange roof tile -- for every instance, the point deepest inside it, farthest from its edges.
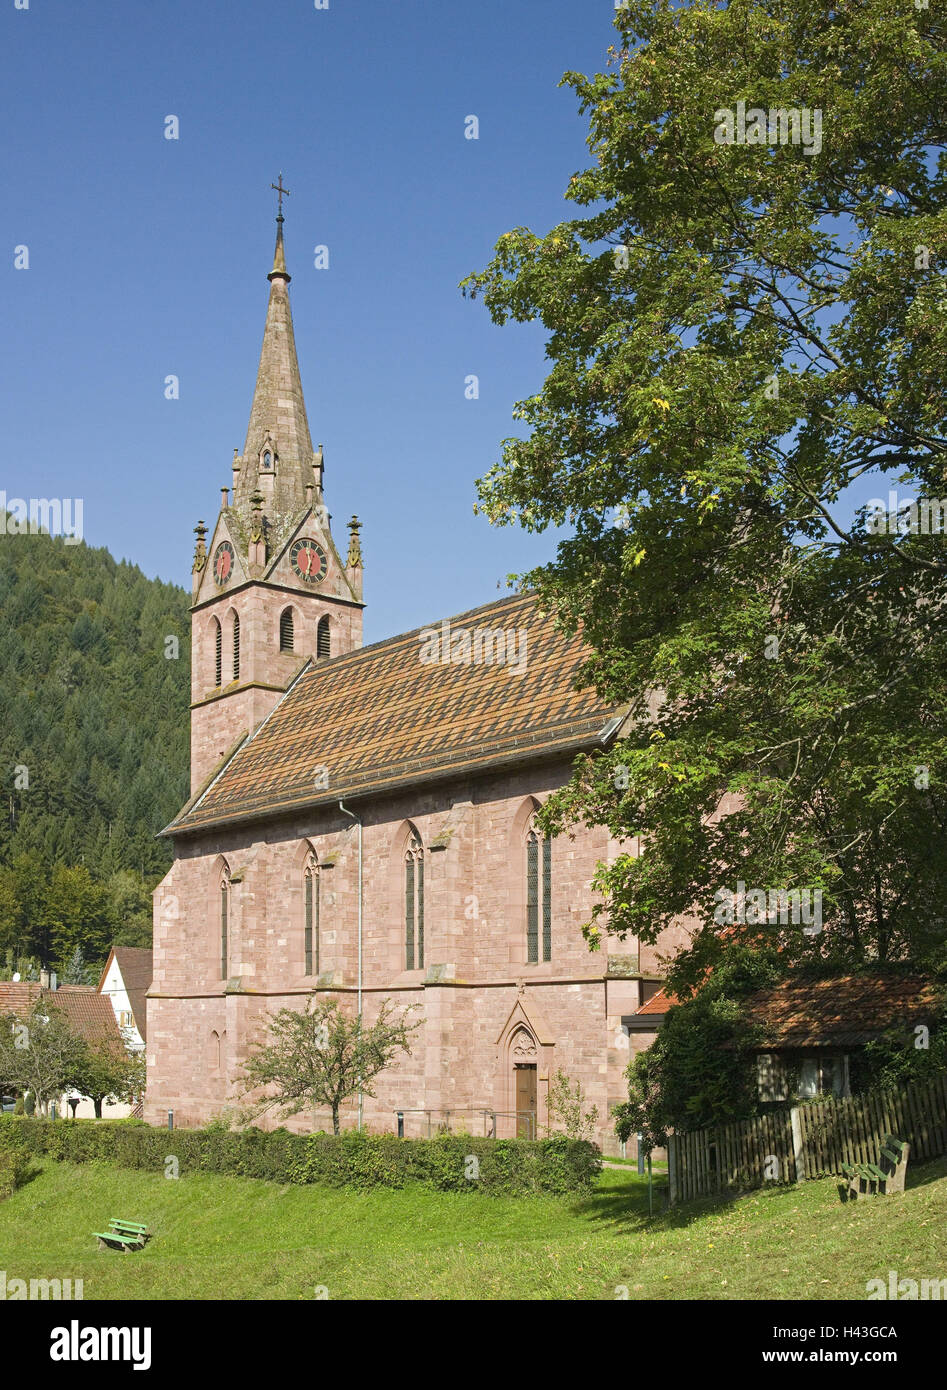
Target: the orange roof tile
(658, 1003)
(847, 1010)
(89, 1014)
(380, 718)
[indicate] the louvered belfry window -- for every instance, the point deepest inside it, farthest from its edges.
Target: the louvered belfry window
(286, 637)
(323, 638)
(311, 935)
(218, 642)
(414, 905)
(236, 647)
(224, 924)
(538, 897)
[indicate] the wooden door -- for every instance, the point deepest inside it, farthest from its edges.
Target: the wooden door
(525, 1075)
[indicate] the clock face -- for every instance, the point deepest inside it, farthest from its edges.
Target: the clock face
(223, 563)
(309, 560)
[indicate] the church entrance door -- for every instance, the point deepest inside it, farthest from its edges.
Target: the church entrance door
(525, 1076)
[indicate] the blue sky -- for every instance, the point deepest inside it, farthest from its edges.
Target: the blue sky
(149, 257)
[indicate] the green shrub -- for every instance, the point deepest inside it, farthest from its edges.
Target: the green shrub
(14, 1166)
(449, 1162)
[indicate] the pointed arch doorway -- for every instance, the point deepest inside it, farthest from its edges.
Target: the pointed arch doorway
(525, 1049)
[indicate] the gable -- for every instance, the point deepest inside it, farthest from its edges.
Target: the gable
(208, 589)
(312, 525)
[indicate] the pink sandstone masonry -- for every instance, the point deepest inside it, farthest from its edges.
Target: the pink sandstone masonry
(220, 714)
(483, 1008)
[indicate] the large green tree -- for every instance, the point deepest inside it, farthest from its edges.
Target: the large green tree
(740, 335)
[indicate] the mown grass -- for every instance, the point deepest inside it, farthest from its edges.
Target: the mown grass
(222, 1237)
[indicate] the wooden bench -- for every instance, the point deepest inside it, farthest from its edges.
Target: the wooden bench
(123, 1235)
(887, 1175)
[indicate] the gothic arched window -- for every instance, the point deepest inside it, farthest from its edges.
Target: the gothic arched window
(323, 639)
(267, 460)
(236, 647)
(538, 895)
(224, 922)
(311, 918)
(286, 635)
(414, 904)
(218, 652)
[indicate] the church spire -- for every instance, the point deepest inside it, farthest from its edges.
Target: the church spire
(277, 454)
(279, 255)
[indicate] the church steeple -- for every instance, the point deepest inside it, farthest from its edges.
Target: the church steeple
(277, 453)
(270, 588)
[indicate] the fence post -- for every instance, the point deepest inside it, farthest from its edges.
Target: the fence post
(799, 1153)
(640, 1139)
(672, 1169)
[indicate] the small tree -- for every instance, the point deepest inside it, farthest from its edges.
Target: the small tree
(109, 1072)
(566, 1104)
(318, 1057)
(77, 972)
(39, 1054)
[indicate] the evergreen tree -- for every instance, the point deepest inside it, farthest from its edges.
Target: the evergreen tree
(93, 746)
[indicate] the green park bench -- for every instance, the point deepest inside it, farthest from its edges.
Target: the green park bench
(887, 1175)
(123, 1235)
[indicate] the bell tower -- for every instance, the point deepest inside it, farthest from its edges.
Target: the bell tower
(270, 589)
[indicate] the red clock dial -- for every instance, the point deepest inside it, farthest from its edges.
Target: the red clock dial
(309, 561)
(223, 562)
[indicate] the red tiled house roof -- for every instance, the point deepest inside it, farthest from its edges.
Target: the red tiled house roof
(658, 1003)
(89, 1014)
(378, 719)
(847, 1011)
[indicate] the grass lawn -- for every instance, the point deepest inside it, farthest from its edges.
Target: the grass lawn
(222, 1237)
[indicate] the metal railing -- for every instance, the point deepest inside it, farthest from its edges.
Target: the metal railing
(492, 1124)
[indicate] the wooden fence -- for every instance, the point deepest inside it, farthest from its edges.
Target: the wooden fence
(808, 1141)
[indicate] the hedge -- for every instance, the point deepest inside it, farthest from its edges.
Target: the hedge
(450, 1162)
(14, 1168)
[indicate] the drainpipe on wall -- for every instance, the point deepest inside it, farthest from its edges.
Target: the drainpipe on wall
(357, 819)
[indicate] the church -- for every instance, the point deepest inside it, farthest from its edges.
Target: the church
(362, 823)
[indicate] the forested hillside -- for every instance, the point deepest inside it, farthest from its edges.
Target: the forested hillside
(93, 746)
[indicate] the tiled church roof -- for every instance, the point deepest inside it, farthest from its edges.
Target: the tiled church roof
(379, 718)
